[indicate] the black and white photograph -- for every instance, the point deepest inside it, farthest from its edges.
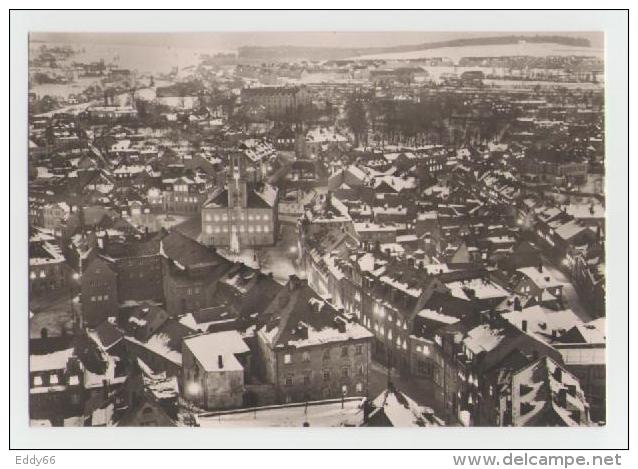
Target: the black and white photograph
(318, 229)
(393, 235)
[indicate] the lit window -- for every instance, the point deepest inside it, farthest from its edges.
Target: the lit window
(209, 229)
(306, 357)
(359, 387)
(207, 217)
(266, 229)
(53, 379)
(287, 358)
(258, 228)
(43, 274)
(251, 229)
(37, 381)
(106, 297)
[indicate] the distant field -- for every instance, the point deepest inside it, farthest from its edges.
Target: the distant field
(500, 50)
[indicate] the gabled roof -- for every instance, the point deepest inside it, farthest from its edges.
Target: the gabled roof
(219, 199)
(207, 348)
(108, 335)
(298, 317)
(188, 253)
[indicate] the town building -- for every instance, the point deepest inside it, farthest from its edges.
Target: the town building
(214, 368)
(240, 215)
(277, 101)
(310, 351)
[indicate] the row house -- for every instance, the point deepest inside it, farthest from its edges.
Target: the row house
(467, 360)
(182, 195)
(309, 350)
(190, 273)
(48, 270)
(138, 265)
(99, 292)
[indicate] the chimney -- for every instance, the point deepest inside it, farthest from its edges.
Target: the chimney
(220, 362)
(524, 325)
(558, 374)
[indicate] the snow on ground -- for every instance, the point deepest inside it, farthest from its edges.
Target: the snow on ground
(497, 50)
(316, 414)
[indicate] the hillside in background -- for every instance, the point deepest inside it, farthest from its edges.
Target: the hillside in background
(279, 53)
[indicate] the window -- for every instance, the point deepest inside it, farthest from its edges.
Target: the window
(358, 350)
(306, 357)
(345, 372)
(53, 379)
(359, 387)
(266, 229)
(37, 380)
(344, 351)
(326, 375)
(287, 358)
(344, 390)
(306, 377)
(288, 380)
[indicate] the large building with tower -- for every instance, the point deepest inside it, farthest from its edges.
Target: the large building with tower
(240, 215)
